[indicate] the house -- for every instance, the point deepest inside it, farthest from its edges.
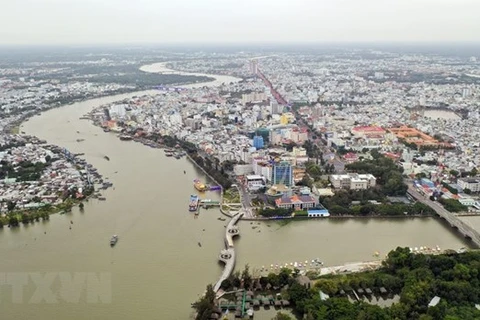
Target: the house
(350, 157)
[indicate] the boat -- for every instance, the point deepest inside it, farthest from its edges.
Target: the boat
(199, 185)
(113, 240)
(169, 154)
(199, 244)
(193, 205)
(106, 158)
(125, 137)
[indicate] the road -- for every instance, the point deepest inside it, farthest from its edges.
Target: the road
(466, 230)
(246, 200)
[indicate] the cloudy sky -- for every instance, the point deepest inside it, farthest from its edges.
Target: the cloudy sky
(217, 21)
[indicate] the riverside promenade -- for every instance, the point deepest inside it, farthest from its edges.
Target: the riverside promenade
(227, 255)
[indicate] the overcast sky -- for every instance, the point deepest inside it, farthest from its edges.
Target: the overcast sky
(216, 21)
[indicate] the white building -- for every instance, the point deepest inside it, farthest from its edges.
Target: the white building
(470, 183)
(353, 181)
(255, 182)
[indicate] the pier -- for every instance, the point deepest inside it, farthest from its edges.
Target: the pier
(227, 255)
(454, 221)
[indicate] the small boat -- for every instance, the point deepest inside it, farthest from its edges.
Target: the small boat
(194, 202)
(199, 244)
(184, 172)
(113, 240)
(125, 137)
(106, 158)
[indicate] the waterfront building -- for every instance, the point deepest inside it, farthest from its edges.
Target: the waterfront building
(295, 202)
(318, 211)
(469, 183)
(352, 181)
(282, 173)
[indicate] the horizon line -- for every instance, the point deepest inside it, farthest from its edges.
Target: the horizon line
(244, 43)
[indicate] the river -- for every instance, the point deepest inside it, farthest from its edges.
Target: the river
(157, 268)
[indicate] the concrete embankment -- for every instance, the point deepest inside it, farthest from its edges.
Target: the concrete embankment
(211, 178)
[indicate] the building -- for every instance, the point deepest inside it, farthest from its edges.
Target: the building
(417, 137)
(368, 132)
(318, 211)
(255, 182)
(470, 183)
(282, 173)
(353, 181)
(258, 142)
(350, 157)
(254, 67)
(295, 202)
(253, 97)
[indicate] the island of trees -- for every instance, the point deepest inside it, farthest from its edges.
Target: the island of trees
(426, 287)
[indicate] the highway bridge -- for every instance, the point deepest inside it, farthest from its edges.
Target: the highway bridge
(455, 222)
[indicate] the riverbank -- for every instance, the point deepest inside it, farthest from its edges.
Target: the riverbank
(146, 211)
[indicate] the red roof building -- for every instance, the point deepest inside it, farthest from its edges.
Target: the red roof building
(350, 157)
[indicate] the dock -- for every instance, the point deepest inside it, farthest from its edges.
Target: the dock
(227, 255)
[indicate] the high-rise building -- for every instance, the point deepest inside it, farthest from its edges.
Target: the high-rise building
(254, 67)
(282, 173)
(466, 92)
(258, 142)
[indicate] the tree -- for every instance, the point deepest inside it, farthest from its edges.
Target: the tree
(11, 205)
(246, 277)
(473, 172)
(282, 316)
(273, 279)
(454, 173)
(12, 220)
(205, 305)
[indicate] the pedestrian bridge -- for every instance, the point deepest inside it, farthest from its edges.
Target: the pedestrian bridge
(455, 222)
(227, 255)
(208, 202)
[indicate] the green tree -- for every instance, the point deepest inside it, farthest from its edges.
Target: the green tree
(246, 277)
(473, 172)
(11, 205)
(205, 306)
(13, 220)
(282, 316)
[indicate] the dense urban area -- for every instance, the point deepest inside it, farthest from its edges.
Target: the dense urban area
(339, 133)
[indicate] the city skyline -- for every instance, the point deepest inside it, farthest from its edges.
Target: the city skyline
(55, 22)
